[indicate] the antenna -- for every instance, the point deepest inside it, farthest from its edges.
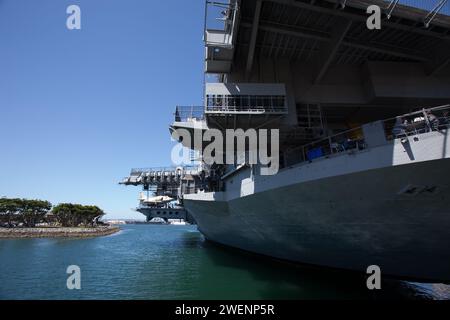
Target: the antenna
(391, 8)
(432, 14)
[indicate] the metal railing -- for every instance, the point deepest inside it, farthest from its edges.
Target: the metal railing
(353, 140)
(189, 113)
(220, 16)
(184, 169)
(348, 141)
(246, 103)
(418, 122)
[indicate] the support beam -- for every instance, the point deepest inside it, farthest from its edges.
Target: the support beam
(251, 49)
(432, 14)
(329, 50)
(357, 17)
(441, 60)
(324, 37)
(440, 66)
(401, 53)
(391, 8)
(292, 31)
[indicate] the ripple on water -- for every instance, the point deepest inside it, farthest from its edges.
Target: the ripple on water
(166, 262)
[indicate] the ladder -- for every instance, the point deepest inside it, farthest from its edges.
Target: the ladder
(309, 116)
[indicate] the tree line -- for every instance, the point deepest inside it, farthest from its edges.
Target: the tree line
(29, 213)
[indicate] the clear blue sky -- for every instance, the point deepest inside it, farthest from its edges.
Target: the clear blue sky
(80, 108)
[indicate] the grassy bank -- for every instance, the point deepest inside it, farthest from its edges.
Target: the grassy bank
(23, 233)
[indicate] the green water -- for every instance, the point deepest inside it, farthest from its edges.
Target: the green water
(174, 262)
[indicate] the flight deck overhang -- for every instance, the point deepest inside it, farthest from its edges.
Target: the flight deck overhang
(323, 34)
(405, 9)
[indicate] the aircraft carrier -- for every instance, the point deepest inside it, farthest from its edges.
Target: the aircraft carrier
(363, 121)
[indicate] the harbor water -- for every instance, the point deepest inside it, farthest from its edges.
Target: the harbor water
(175, 262)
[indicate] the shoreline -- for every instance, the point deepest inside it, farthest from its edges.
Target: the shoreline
(58, 232)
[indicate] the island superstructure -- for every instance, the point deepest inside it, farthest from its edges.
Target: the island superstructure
(364, 140)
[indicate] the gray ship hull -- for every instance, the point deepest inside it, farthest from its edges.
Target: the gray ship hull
(395, 217)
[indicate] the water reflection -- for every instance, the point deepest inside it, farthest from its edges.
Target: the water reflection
(274, 279)
(175, 262)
